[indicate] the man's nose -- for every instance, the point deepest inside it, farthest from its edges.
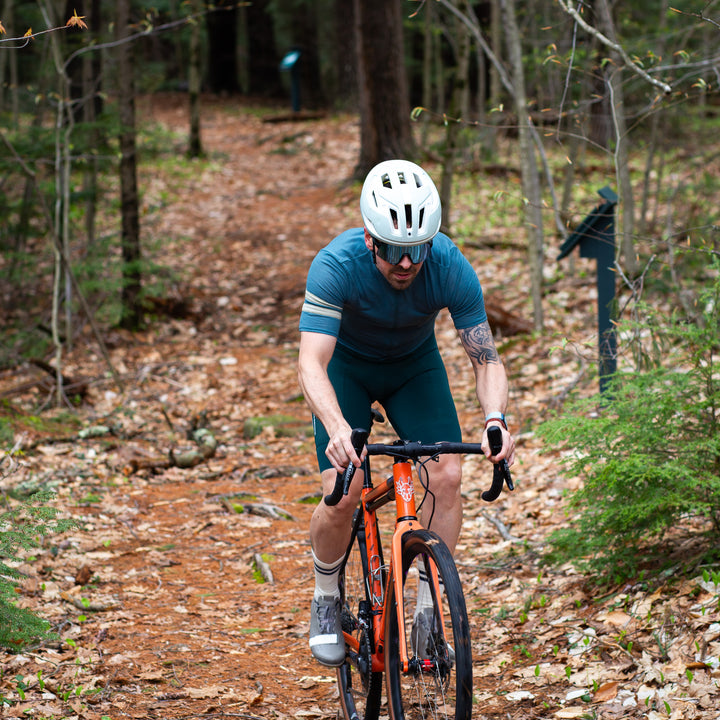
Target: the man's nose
(405, 262)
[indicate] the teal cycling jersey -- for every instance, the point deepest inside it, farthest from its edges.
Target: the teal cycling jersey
(346, 296)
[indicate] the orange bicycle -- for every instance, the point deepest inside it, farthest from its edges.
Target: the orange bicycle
(426, 657)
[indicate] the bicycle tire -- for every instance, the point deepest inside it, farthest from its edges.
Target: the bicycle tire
(442, 688)
(359, 687)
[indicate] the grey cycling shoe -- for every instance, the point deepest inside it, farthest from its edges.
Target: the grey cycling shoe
(425, 640)
(326, 638)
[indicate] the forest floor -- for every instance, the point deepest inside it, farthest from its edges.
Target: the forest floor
(157, 597)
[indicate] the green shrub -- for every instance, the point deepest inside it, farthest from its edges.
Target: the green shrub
(648, 451)
(22, 526)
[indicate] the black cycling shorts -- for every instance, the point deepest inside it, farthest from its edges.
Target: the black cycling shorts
(414, 392)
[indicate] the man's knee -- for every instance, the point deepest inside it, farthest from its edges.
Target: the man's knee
(446, 476)
(343, 511)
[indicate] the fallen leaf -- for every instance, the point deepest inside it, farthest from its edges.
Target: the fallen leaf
(616, 617)
(607, 691)
(571, 712)
(518, 695)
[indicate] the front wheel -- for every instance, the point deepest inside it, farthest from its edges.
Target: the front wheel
(438, 684)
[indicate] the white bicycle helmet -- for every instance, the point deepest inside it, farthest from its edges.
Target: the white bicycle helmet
(400, 204)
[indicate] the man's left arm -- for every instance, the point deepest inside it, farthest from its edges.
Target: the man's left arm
(490, 382)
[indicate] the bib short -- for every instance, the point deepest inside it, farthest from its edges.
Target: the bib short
(413, 390)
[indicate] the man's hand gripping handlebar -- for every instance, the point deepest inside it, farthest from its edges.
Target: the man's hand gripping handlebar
(501, 470)
(413, 451)
(343, 480)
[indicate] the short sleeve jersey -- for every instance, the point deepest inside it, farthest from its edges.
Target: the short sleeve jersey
(346, 296)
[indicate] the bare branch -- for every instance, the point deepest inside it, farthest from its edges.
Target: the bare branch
(700, 16)
(613, 46)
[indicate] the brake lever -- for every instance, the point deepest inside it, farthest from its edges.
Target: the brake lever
(501, 470)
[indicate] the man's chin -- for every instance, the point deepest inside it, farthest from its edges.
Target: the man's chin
(402, 281)
(401, 284)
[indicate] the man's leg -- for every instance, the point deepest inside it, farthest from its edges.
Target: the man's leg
(330, 526)
(330, 529)
(442, 509)
(442, 513)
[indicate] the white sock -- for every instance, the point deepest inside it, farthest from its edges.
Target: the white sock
(326, 577)
(424, 594)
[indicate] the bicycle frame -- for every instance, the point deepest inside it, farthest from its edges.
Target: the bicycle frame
(422, 669)
(400, 488)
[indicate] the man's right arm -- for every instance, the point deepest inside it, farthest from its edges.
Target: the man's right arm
(316, 350)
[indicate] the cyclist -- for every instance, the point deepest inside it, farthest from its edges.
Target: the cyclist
(366, 335)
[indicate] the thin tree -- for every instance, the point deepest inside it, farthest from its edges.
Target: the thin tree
(532, 197)
(622, 140)
(458, 109)
(530, 144)
(195, 143)
(131, 310)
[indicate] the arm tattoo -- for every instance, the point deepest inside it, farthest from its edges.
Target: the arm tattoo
(479, 344)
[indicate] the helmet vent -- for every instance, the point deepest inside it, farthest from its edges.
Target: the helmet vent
(386, 180)
(408, 216)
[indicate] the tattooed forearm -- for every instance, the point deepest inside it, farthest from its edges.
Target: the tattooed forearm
(479, 344)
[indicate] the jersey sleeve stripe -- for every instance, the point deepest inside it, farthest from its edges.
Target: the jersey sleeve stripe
(314, 305)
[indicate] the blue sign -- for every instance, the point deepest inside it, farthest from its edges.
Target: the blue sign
(289, 60)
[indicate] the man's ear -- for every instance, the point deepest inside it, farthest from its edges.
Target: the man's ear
(370, 244)
(368, 240)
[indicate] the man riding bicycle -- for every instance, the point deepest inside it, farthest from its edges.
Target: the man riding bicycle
(367, 335)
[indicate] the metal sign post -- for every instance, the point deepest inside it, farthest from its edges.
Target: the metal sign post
(290, 64)
(596, 238)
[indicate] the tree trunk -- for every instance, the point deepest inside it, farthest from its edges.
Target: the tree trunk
(457, 111)
(427, 65)
(131, 310)
(91, 109)
(528, 165)
(344, 93)
(222, 46)
(263, 70)
(195, 142)
(496, 44)
(654, 135)
(305, 39)
(622, 140)
(385, 131)
(9, 60)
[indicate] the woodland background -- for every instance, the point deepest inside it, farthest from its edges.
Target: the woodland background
(161, 200)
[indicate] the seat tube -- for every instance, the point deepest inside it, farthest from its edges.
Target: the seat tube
(375, 580)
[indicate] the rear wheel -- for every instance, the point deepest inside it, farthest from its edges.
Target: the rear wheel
(438, 683)
(360, 688)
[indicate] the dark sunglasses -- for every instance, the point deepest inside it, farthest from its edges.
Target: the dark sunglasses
(393, 254)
